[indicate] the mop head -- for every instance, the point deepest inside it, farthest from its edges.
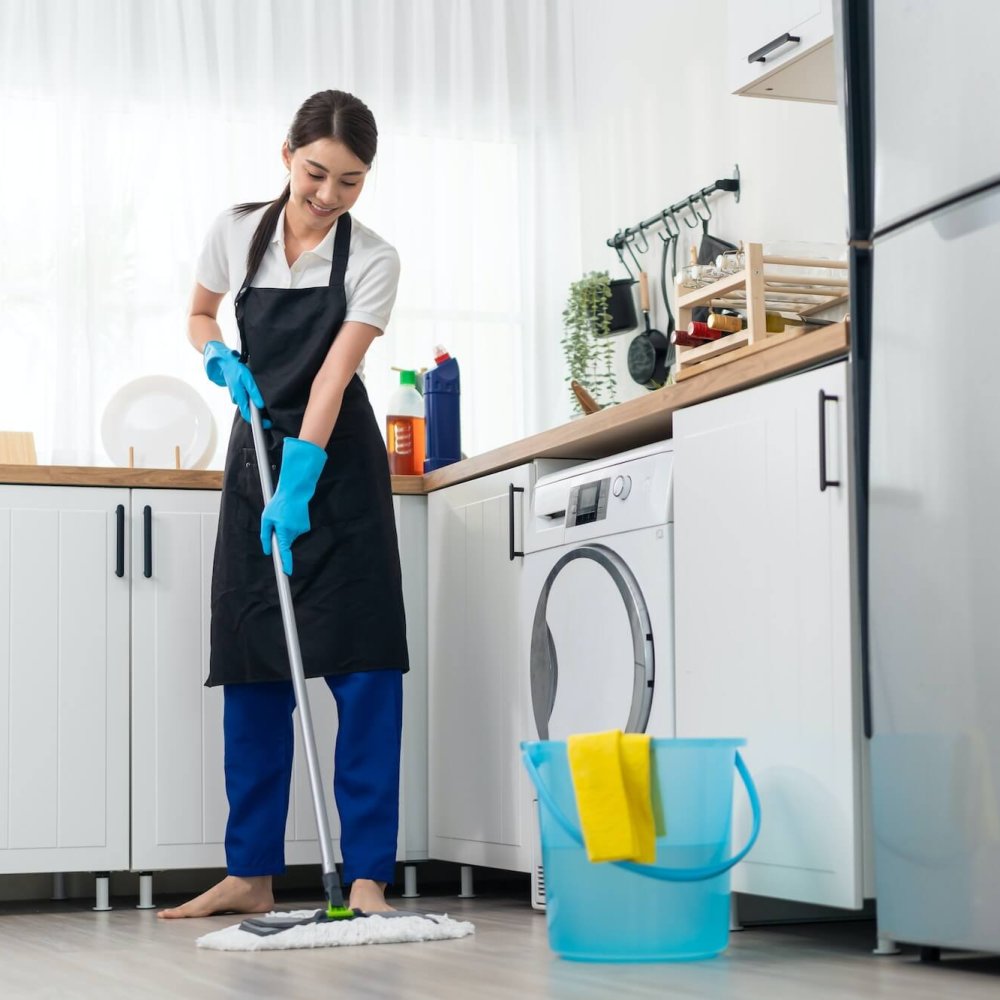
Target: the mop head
(371, 929)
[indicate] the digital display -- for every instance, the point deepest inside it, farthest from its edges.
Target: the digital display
(588, 497)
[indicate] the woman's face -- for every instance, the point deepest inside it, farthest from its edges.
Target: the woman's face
(326, 179)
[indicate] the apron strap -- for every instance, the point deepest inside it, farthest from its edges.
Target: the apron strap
(341, 249)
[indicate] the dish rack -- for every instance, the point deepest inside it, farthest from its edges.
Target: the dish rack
(762, 284)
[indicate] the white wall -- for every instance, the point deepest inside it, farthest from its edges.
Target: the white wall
(657, 122)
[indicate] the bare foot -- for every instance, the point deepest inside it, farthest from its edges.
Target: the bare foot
(368, 896)
(232, 895)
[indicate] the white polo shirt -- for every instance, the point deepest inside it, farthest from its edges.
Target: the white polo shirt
(372, 266)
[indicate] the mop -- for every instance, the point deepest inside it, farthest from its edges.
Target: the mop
(338, 924)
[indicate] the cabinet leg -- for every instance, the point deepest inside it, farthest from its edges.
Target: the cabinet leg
(467, 889)
(410, 882)
(145, 892)
(58, 885)
(929, 953)
(885, 946)
(734, 916)
(102, 891)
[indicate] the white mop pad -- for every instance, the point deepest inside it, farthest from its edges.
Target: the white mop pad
(362, 930)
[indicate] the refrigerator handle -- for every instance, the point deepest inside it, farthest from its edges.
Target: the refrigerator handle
(824, 398)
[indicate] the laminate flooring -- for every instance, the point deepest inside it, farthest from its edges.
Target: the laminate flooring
(67, 952)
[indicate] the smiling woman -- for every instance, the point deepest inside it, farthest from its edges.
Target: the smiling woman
(144, 118)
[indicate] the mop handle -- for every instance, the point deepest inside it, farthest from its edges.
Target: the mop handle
(295, 658)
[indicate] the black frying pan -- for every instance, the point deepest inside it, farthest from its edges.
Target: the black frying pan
(647, 354)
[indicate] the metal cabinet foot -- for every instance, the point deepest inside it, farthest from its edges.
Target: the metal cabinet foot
(467, 888)
(145, 892)
(102, 891)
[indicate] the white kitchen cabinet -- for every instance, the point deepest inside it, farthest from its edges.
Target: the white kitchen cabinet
(783, 49)
(475, 701)
(64, 659)
(179, 804)
(765, 628)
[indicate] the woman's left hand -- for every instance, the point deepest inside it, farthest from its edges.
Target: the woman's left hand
(287, 513)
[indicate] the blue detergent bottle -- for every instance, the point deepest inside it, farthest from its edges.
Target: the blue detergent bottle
(441, 403)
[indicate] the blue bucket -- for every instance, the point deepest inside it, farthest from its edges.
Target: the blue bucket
(674, 910)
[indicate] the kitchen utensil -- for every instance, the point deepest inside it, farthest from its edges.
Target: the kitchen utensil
(621, 306)
(587, 402)
(669, 248)
(153, 416)
(647, 354)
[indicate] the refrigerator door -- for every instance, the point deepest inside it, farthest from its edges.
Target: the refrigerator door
(935, 579)
(937, 103)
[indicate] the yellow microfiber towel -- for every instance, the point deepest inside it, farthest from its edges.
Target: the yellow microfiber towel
(611, 780)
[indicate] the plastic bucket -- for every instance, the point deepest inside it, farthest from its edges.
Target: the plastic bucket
(674, 910)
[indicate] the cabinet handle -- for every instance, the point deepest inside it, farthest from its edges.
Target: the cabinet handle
(120, 540)
(761, 53)
(147, 541)
(510, 510)
(824, 398)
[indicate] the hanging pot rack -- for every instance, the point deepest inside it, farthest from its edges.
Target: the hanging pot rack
(668, 216)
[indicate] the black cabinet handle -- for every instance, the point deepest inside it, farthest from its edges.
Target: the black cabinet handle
(761, 54)
(510, 510)
(824, 398)
(120, 540)
(147, 541)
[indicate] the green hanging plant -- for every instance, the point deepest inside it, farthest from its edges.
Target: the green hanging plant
(586, 342)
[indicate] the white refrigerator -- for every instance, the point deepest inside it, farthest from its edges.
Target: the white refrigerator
(921, 106)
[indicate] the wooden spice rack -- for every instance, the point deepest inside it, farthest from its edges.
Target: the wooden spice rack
(765, 285)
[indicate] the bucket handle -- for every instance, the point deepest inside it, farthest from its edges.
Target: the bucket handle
(651, 871)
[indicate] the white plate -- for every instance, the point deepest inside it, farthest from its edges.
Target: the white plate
(154, 414)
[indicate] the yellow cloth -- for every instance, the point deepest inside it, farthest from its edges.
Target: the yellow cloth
(611, 780)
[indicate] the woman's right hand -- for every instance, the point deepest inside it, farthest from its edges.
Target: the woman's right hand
(223, 367)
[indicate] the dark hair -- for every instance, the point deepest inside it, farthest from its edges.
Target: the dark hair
(330, 114)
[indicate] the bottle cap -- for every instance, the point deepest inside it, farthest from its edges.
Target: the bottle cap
(440, 354)
(407, 377)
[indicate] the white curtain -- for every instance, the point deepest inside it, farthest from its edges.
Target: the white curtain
(129, 124)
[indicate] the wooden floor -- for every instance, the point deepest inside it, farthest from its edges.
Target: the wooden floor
(66, 952)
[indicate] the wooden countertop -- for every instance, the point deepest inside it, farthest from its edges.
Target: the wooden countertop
(149, 479)
(650, 418)
(617, 428)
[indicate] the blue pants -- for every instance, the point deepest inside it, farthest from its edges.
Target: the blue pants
(258, 762)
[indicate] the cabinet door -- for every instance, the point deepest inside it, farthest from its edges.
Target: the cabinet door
(178, 792)
(800, 70)
(474, 652)
(63, 679)
(411, 527)
(764, 626)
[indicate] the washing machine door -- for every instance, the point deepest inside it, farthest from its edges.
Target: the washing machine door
(592, 662)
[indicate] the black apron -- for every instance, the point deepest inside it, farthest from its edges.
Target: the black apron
(346, 583)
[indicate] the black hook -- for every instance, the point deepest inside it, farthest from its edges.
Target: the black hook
(669, 220)
(628, 246)
(691, 225)
(704, 218)
(641, 231)
(618, 242)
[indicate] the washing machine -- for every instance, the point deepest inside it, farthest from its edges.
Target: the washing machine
(598, 605)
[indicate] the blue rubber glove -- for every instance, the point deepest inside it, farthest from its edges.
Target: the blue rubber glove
(223, 367)
(287, 513)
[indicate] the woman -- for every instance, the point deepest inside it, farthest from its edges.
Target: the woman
(314, 290)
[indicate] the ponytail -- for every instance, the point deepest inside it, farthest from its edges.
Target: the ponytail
(265, 228)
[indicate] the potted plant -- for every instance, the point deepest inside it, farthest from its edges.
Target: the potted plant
(586, 342)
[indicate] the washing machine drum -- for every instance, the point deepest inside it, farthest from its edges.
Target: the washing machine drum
(592, 662)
